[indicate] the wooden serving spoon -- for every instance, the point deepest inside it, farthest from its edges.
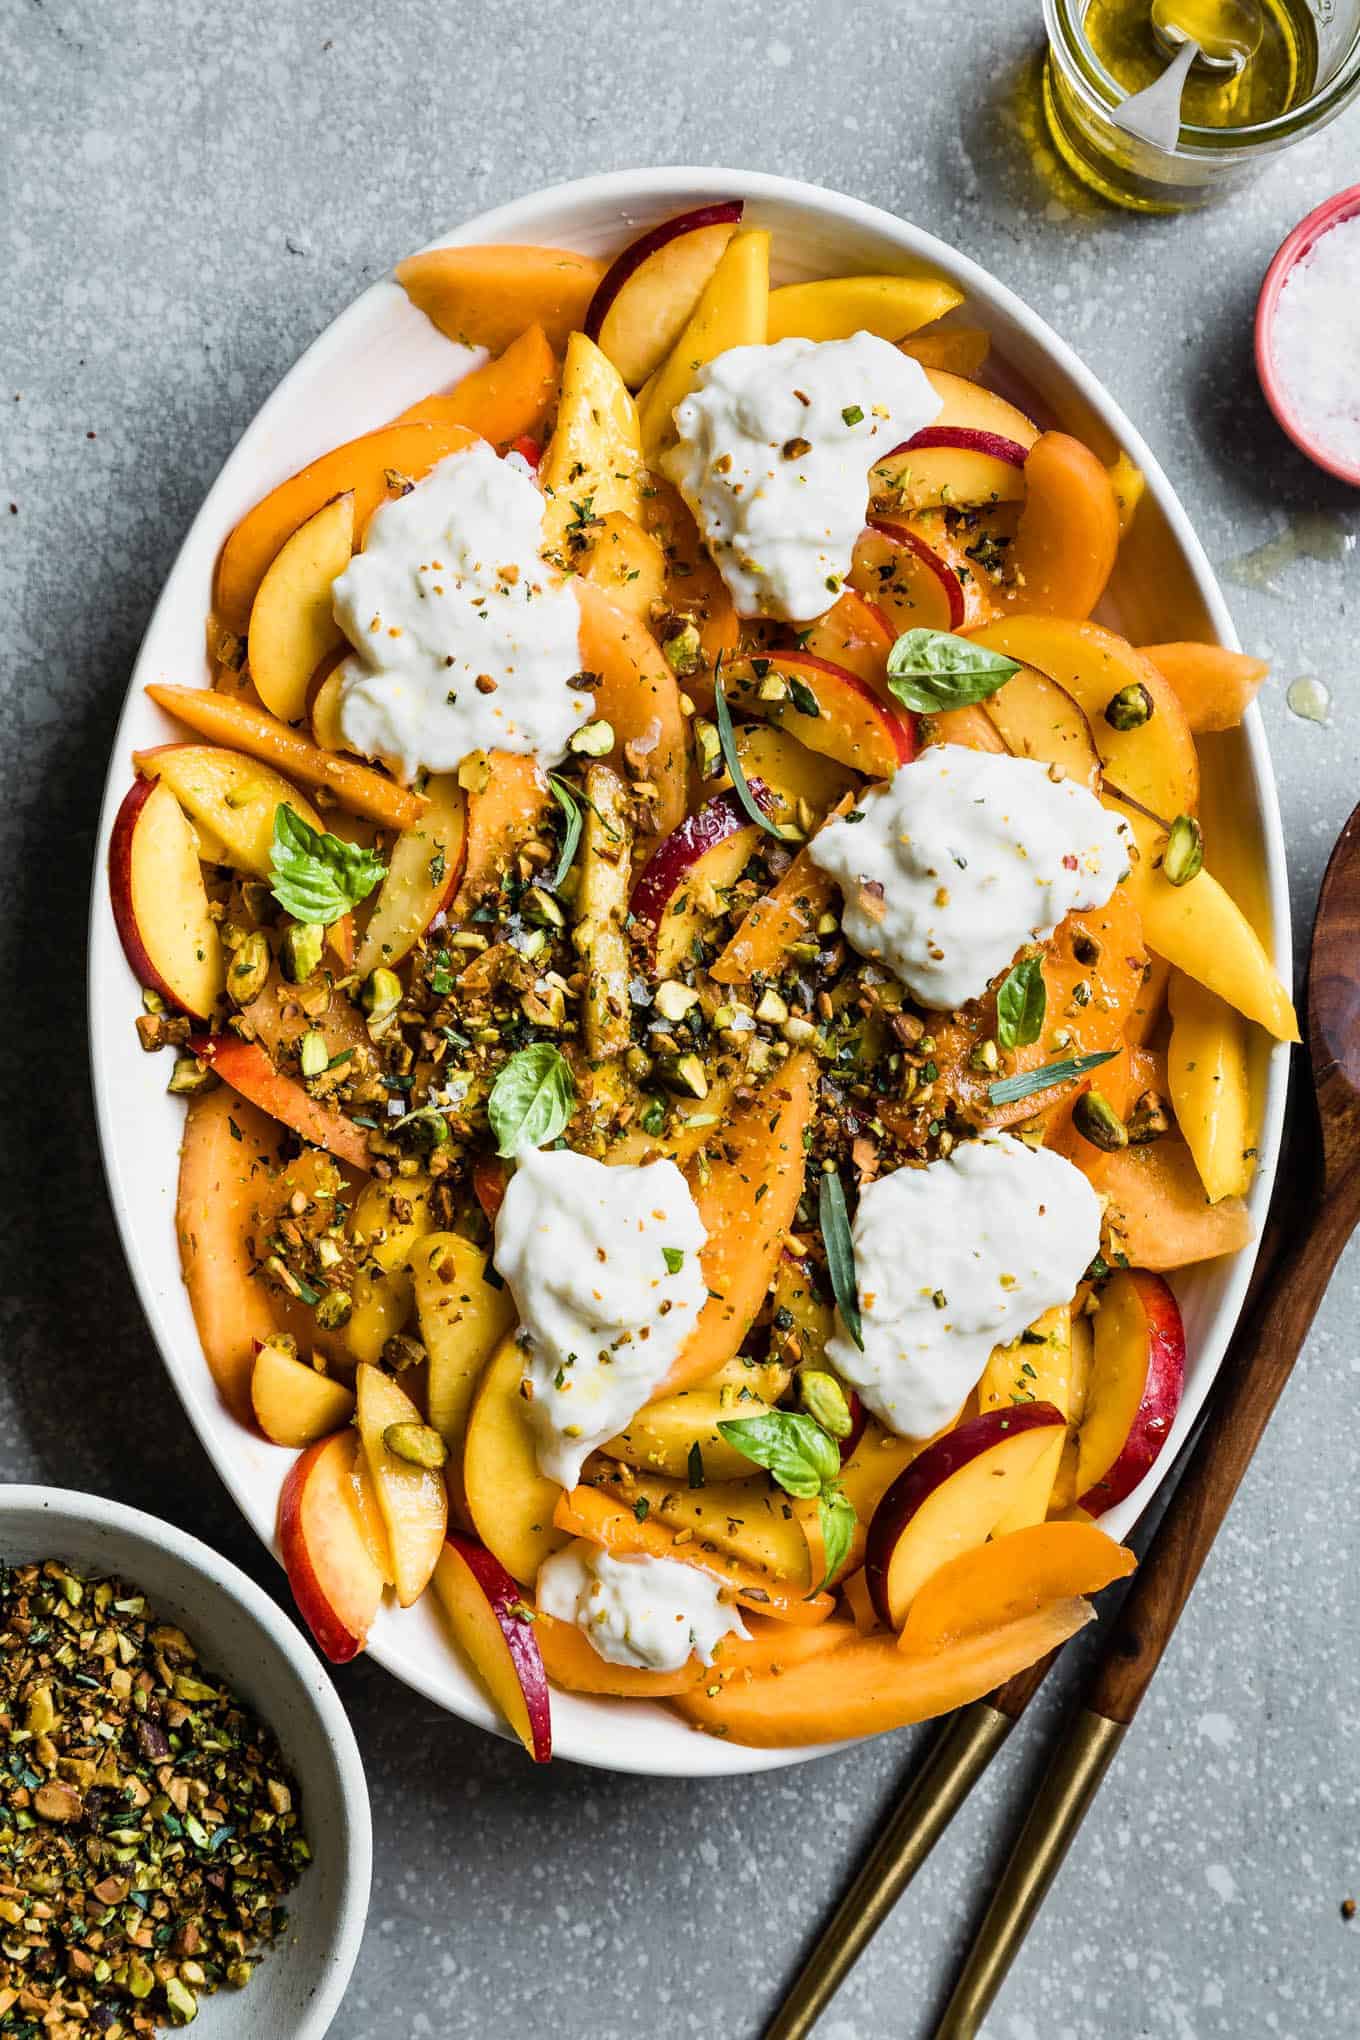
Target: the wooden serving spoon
(1262, 1356)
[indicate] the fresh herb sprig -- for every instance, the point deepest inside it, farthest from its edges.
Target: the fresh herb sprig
(532, 1098)
(806, 1462)
(565, 797)
(732, 760)
(840, 1254)
(931, 671)
(1010, 1090)
(318, 878)
(1022, 1003)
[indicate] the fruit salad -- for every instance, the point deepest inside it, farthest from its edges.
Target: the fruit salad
(704, 1008)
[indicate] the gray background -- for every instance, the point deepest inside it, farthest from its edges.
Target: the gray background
(190, 193)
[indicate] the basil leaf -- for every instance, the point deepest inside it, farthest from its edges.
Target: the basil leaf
(791, 1447)
(532, 1099)
(318, 878)
(836, 1514)
(932, 670)
(1009, 1090)
(840, 1255)
(571, 834)
(728, 743)
(1021, 1003)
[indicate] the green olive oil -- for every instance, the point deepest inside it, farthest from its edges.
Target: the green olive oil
(1267, 51)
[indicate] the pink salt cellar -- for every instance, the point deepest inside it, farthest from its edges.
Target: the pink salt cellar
(1308, 336)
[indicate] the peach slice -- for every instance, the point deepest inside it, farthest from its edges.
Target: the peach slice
(909, 581)
(670, 906)
(238, 725)
(513, 805)
(788, 913)
(958, 350)
(572, 1662)
(1214, 686)
(853, 633)
(790, 772)
(879, 1456)
(334, 1580)
(1039, 719)
(490, 1620)
(637, 695)
(483, 297)
(1210, 1083)
(293, 1404)
(1014, 1575)
(245, 1066)
(663, 1435)
(869, 1686)
(952, 1497)
(423, 875)
(593, 463)
(292, 624)
(1137, 1374)
(644, 299)
(463, 1319)
(747, 1204)
(836, 307)
(749, 1520)
(360, 467)
(732, 311)
(1156, 763)
(509, 1501)
(414, 1506)
(696, 591)
(507, 399)
(388, 1222)
(1038, 1368)
(1068, 534)
(1158, 1212)
(971, 727)
(229, 798)
(975, 451)
(826, 707)
(614, 1523)
(160, 907)
(626, 564)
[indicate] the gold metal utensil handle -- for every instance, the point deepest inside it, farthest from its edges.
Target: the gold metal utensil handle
(1067, 1791)
(963, 1751)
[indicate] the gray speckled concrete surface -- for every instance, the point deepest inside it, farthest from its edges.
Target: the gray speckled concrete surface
(189, 193)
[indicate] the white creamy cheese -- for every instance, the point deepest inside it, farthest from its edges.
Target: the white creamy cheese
(651, 1613)
(953, 1259)
(603, 1265)
(963, 857)
(775, 449)
(463, 639)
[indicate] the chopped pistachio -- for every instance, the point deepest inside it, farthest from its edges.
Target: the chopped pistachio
(300, 950)
(248, 971)
(417, 1444)
(707, 748)
(824, 1399)
(1130, 708)
(334, 1309)
(474, 774)
(1097, 1121)
(686, 1073)
(380, 998)
(684, 651)
(592, 740)
(673, 1000)
(772, 1008)
(190, 1076)
(1183, 857)
(313, 1054)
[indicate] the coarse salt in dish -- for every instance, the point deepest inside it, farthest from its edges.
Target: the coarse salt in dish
(1316, 342)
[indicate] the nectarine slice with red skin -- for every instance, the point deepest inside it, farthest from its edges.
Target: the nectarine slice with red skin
(232, 796)
(733, 311)
(424, 871)
(868, 1686)
(647, 294)
(160, 905)
(1013, 1576)
(1137, 1375)
(240, 727)
(490, 1620)
(1214, 686)
(854, 723)
(361, 466)
(586, 1512)
(1036, 1367)
(747, 1204)
(245, 1066)
(908, 580)
(1039, 719)
(484, 297)
(335, 1583)
(637, 695)
(293, 1404)
(709, 850)
(507, 400)
(853, 633)
(1065, 544)
(510, 1502)
(514, 804)
(791, 772)
(789, 912)
(292, 622)
(950, 1498)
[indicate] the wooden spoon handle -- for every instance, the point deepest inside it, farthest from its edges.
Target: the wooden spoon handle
(1262, 1355)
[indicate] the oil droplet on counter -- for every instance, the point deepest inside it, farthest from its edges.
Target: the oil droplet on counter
(1313, 535)
(1309, 699)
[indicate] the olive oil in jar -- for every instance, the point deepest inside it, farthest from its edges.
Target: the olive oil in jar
(1263, 53)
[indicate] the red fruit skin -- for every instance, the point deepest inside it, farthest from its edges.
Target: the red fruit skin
(504, 1595)
(941, 569)
(336, 1641)
(929, 1471)
(1161, 1397)
(120, 896)
(720, 213)
(676, 855)
(970, 437)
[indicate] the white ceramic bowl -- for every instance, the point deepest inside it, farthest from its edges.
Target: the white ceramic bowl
(240, 1634)
(380, 356)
